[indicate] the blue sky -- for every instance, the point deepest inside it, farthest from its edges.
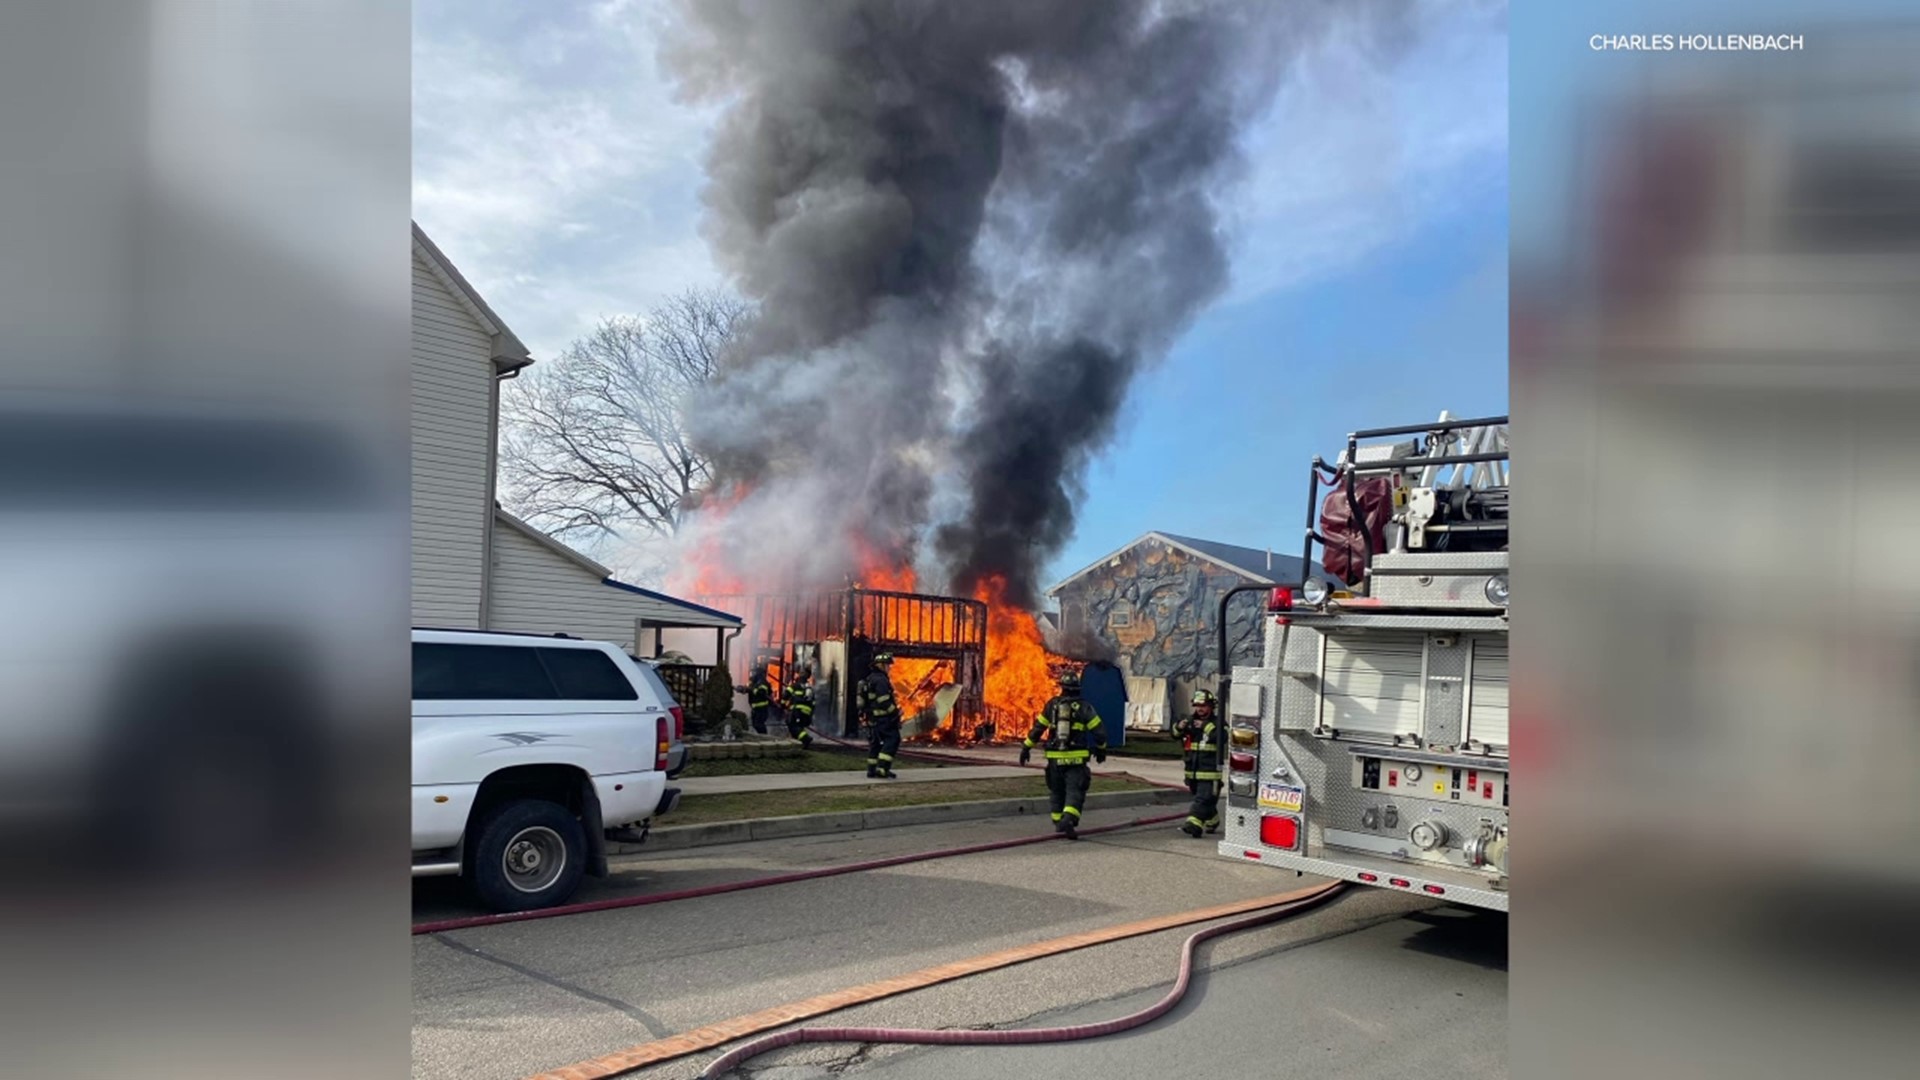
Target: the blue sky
(1217, 440)
(1369, 241)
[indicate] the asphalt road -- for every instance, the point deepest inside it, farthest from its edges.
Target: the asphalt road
(1374, 984)
(1413, 996)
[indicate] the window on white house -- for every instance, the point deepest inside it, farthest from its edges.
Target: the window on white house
(1121, 614)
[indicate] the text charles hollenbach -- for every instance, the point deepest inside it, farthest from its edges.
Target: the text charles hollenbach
(1697, 42)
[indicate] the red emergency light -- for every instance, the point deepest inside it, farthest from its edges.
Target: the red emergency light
(1241, 762)
(1280, 599)
(1364, 876)
(1280, 832)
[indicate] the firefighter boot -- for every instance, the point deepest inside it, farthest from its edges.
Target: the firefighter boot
(1191, 827)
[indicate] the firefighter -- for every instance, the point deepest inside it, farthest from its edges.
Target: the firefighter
(759, 699)
(1201, 735)
(1071, 731)
(880, 713)
(797, 697)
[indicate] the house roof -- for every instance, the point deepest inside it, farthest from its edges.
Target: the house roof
(1259, 565)
(509, 354)
(1263, 563)
(697, 615)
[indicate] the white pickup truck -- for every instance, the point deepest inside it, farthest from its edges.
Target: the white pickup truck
(529, 753)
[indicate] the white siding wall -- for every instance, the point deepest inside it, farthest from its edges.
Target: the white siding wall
(452, 455)
(538, 591)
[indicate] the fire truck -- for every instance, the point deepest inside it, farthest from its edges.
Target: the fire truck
(1370, 744)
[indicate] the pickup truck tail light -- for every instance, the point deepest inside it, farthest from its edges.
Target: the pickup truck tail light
(662, 743)
(679, 723)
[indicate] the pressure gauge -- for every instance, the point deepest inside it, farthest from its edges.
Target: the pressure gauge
(1413, 772)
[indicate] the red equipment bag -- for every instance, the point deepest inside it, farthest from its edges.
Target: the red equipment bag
(1346, 551)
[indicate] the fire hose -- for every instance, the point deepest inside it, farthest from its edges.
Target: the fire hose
(1247, 915)
(471, 921)
(1018, 1036)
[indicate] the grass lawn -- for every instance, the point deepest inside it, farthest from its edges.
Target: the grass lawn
(703, 809)
(811, 761)
(1148, 746)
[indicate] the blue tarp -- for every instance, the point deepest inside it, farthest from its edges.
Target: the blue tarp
(1105, 689)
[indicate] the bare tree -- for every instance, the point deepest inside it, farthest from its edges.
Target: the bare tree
(595, 441)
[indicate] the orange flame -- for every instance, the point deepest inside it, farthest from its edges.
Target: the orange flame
(704, 570)
(914, 680)
(1020, 670)
(1021, 674)
(878, 572)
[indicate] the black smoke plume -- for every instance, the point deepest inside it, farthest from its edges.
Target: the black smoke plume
(967, 226)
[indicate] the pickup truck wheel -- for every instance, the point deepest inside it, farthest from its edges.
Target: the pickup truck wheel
(530, 854)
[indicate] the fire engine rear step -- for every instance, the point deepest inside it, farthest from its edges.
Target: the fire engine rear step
(1421, 879)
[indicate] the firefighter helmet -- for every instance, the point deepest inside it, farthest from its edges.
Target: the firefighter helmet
(882, 659)
(1202, 697)
(1070, 681)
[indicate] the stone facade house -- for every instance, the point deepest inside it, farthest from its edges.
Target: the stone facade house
(1152, 608)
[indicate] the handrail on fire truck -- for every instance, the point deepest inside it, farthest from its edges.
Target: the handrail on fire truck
(1481, 467)
(1486, 438)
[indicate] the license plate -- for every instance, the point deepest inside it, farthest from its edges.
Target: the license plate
(1282, 798)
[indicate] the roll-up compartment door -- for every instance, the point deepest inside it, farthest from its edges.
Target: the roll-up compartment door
(1487, 693)
(1373, 684)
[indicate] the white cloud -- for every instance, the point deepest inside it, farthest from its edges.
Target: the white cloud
(555, 168)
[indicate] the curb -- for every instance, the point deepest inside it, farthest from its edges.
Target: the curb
(681, 837)
(743, 750)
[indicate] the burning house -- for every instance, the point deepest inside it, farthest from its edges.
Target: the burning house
(939, 644)
(965, 669)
